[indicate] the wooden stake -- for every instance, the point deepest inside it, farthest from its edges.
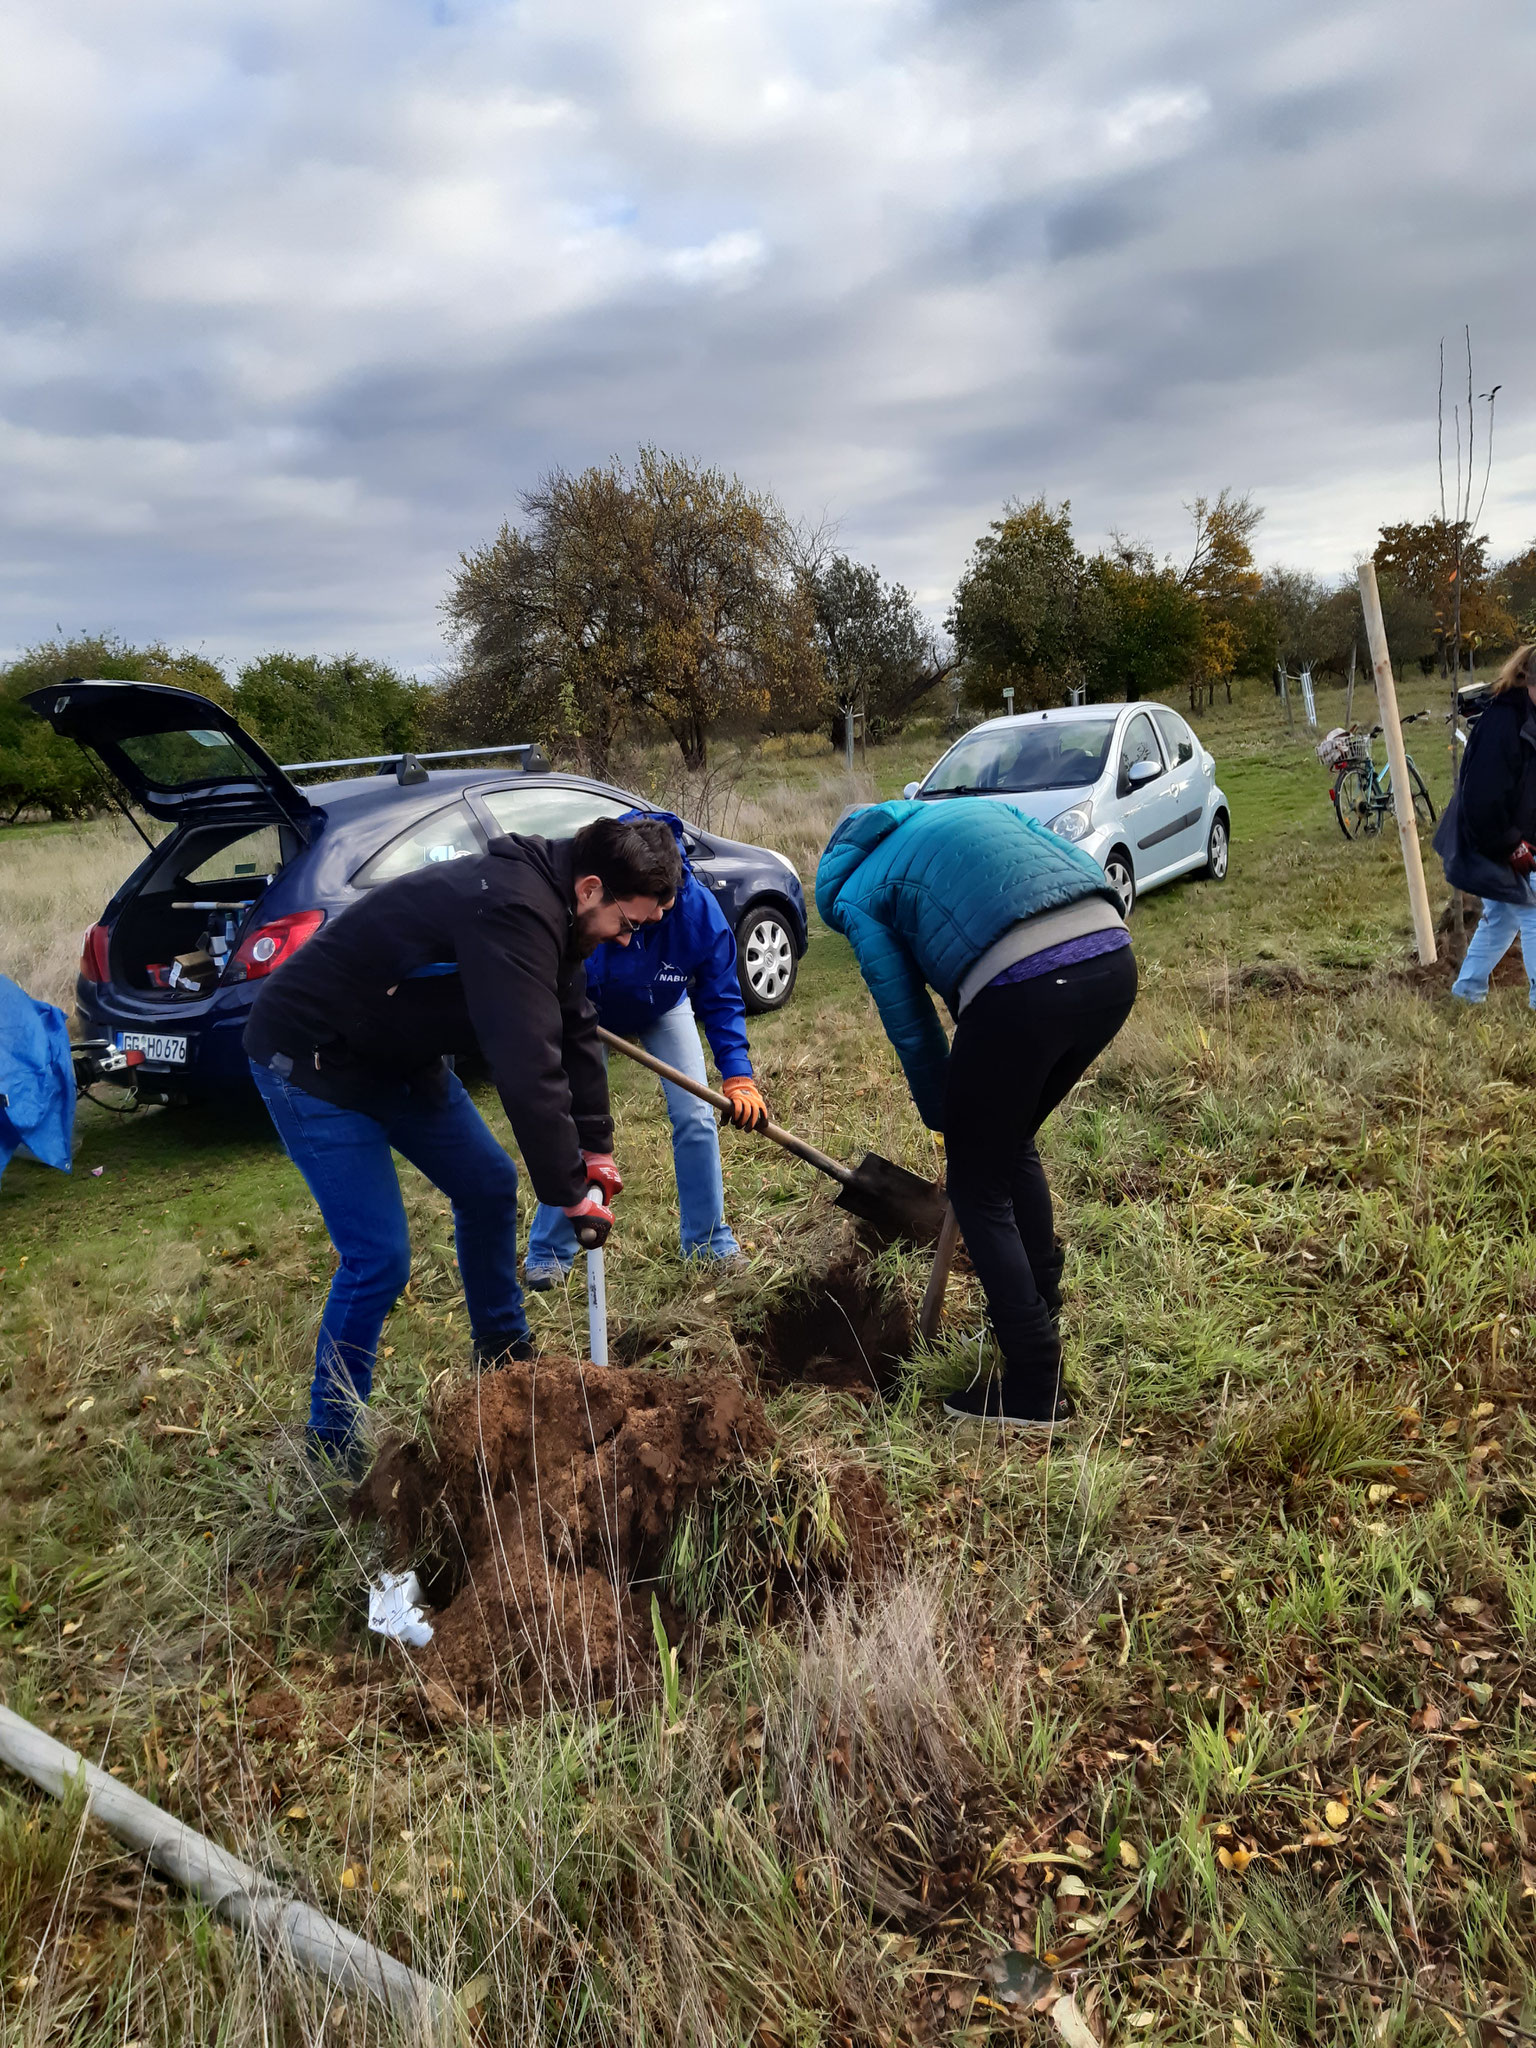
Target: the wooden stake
(932, 1311)
(1397, 755)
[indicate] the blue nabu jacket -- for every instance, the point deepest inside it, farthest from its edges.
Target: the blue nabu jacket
(691, 952)
(921, 890)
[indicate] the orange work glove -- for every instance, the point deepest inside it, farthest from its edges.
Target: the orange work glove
(749, 1112)
(603, 1173)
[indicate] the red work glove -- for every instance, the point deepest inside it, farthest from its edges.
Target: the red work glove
(602, 1171)
(1523, 859)
(592, 1219)
(749, 1112)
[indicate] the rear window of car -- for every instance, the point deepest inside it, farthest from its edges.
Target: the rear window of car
(447, 835)
(185, 760)
(550, 810)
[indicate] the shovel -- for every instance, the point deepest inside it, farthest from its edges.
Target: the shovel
(876, 1189)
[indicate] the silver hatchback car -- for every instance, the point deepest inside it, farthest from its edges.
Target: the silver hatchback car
(1129, 783)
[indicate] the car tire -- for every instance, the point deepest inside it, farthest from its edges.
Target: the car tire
(1122, 878)
(1218, 849)
(766, 962)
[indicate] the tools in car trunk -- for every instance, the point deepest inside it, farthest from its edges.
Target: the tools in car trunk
(877, 1189)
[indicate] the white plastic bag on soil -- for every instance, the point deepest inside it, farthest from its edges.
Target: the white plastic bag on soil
(394, 1609)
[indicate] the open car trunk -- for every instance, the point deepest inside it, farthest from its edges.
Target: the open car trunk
(200, 894)
(179, 755)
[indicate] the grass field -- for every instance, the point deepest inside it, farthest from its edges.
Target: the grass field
(1216, 1718)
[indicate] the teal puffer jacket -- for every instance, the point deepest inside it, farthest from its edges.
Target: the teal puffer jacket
(921, 890)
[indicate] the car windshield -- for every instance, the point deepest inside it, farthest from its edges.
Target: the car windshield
(1060, 755)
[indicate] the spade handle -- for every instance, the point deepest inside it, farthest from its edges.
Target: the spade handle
(822, 1161)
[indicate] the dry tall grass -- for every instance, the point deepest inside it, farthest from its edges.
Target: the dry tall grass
(54, 882)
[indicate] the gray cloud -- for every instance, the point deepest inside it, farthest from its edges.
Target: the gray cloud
(294, 302)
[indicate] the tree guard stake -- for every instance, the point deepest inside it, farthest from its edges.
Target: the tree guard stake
(1397, 754)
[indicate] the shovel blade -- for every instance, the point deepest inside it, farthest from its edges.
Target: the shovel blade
(896, 1201)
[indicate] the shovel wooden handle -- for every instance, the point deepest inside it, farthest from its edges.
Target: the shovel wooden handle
(933, 1294)
(822, 1161)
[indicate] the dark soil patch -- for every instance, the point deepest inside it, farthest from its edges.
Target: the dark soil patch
(549, 1491)
(1436, 978)
(1276, 978)
(836, 1329)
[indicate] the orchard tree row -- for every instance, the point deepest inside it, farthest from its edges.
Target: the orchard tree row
(669, 598)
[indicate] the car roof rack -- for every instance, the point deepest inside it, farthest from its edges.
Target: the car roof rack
(407, 767)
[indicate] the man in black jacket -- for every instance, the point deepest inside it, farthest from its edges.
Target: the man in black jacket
(347, 1043)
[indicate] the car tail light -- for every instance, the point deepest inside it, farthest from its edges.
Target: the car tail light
(266, 948)
(93, 956)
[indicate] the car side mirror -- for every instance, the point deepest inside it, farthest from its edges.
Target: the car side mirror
(1140, 773)
(911, 789)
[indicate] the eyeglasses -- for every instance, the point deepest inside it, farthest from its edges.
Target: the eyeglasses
(629, 927)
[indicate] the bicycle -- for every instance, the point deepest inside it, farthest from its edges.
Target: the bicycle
(1362, 791)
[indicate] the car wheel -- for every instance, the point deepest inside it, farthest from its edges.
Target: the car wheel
(765, 959)
(1122, 878)
(1218, 850)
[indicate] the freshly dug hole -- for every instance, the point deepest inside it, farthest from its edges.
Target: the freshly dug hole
(548, 1490)
(838, 1328)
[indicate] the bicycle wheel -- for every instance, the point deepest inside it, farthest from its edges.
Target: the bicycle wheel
(1423, 802)
(1352, 803)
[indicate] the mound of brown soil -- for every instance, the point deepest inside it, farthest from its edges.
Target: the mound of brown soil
(550, 1488)
(838, 1329)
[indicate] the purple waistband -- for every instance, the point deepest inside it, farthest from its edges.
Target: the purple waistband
(1068, 954)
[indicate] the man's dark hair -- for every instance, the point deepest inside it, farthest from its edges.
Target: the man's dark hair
(638, 858)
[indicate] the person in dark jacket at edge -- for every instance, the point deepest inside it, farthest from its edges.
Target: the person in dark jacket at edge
(1487, 834)
(347, 1046)
(1021, 934)
(651, 990)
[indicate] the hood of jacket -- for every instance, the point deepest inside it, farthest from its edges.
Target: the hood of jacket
(690, 951)
(854, 837)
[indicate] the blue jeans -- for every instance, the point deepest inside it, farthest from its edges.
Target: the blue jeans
(1497, 930)
(695, 1157)
(344, 1157)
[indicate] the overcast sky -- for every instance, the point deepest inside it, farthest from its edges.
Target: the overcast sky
(295, 299)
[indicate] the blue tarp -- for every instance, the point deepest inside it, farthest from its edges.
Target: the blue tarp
(37, 1078)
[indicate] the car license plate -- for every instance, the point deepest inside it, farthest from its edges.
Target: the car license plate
(155, 1045)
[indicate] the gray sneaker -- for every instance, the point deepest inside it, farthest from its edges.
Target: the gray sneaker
(539, 1279)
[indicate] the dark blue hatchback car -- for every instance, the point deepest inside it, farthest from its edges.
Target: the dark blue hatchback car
(256, 862)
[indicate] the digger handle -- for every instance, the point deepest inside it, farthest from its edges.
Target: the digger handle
(589, 1238)
(822, 1161)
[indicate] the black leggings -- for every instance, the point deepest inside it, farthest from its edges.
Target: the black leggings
(1017, 1049)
